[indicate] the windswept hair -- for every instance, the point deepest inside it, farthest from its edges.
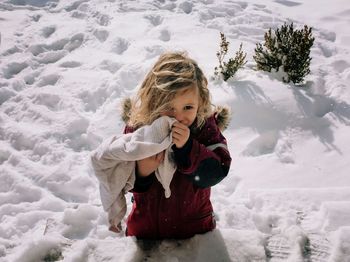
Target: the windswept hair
(172, 72)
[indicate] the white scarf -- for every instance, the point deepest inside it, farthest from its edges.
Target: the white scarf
(114, 163)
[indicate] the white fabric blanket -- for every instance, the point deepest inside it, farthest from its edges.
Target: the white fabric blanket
(114, 164)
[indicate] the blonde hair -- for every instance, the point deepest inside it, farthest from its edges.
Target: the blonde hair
(171, 73)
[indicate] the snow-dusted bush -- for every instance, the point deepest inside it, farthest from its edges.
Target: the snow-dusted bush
(228, 69)
(287, 50)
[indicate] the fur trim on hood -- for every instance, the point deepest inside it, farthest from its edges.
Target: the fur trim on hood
(222, 114)
(126, 109)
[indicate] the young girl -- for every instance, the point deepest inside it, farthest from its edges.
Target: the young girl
(176, 87)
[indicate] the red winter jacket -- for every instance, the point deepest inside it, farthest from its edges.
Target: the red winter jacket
(188, 211)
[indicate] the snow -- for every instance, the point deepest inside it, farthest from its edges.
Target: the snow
(65, 67)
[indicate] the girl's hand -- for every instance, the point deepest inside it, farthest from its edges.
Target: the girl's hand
(147, 166)
(181, 133)
(116, 229)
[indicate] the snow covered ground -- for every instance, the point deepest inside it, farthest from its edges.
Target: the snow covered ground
(64, 68)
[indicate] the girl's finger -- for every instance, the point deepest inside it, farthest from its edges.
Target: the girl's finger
(178, 130)
(176, 136)
(180, 126)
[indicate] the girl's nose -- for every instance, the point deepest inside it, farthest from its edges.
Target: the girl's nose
(178, 116)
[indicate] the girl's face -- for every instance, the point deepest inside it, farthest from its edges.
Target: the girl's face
(184, 106)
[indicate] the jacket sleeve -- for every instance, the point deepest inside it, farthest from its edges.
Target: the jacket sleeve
(205, 165)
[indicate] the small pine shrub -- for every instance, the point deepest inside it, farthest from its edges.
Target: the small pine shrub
(228, 69)
(288, 50)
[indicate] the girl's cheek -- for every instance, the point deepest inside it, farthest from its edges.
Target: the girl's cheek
(169, 114)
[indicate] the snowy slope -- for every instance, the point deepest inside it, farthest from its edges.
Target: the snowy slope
(66, 65)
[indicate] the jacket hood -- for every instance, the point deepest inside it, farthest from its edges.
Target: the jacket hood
(222, 114)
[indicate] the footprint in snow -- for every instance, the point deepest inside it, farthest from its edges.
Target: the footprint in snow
(29, 79)
(5, 94)
(37, 49)
(120, 45)
(68, 44)
(70, 64)
(48, 80)
(328, 35)
(79, 15)
(155, 20)
(207, 2)
(12, 50)
(101, 35)
(165, 35)
(327, 50)
(14, 68)
(340, 65)
(74, 6)
(47, 31)
(186, 7)
(110, 66)
(277, 248)
(259, 6)
(169, 6)
(36, 18)
(103, 19)
(153, 51)
(74, 42)
(317, 246)
(51, 56)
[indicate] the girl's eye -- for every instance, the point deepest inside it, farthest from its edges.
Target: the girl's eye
(188, 107)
